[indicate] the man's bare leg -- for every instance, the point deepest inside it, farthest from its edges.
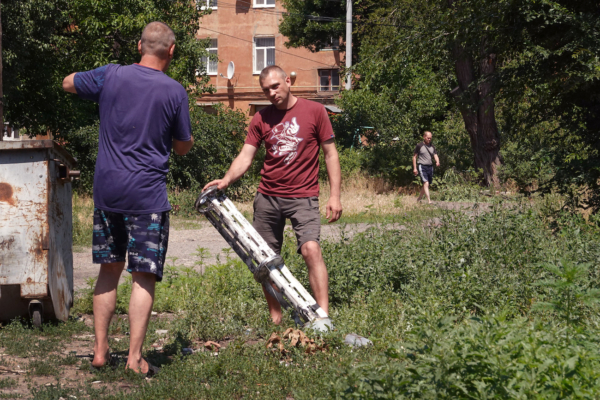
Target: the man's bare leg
(317, 276)
(140, 307)
(317, 273)
(105, 301)
(421, 194)
(274, 307)
(426, 191)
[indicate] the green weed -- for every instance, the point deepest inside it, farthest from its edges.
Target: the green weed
(7, 383)
(568, 295)
(43, 367)
(488, 358)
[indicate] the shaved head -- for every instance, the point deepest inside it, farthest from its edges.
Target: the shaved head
(267, 71)
(157, 38)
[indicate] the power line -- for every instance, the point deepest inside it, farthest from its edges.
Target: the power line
(280, 51)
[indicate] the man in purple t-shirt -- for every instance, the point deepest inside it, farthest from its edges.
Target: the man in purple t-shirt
(143, 115)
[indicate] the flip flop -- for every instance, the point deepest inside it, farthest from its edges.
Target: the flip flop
(153, 370)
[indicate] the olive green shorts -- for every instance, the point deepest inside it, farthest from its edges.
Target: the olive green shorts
(270, 213)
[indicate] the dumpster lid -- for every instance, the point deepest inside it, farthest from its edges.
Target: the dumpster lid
(36, 145)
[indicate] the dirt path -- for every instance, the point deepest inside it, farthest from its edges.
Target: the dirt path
(183, 244)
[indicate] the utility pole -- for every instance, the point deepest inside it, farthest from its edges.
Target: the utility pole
(348, 43)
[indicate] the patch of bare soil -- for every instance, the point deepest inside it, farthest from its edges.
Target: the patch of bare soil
(23, 374)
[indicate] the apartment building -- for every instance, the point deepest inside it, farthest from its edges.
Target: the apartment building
(246, 32)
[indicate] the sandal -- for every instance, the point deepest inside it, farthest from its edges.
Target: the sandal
(153, 370)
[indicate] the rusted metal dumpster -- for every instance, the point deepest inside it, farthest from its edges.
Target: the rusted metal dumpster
(36, 243)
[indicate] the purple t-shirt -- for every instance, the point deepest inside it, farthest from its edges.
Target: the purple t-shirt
(141, 111)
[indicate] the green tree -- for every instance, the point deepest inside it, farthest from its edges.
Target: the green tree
(44, 41)
(539, 53)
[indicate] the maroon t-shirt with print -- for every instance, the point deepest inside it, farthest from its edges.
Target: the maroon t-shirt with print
(292, 138)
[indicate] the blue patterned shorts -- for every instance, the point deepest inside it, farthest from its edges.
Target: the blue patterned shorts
(142, 237)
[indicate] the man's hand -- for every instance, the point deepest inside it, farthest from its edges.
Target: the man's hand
(415, 172)
(334, 209)
(437, 163)
(222, 184)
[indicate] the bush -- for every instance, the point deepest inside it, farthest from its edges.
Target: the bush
(217, 140)
(83, 145)
(470, 265)
(351, 161)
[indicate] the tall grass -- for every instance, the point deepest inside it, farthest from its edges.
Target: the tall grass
(362, 197)
(83, 220)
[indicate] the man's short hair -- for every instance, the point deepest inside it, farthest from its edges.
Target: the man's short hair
(426, 132)
(157, 37)
(267, 70)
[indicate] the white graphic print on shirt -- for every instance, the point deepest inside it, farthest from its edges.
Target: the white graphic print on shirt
(287, 142)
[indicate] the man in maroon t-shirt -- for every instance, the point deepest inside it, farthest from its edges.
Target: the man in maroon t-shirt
(292, 129)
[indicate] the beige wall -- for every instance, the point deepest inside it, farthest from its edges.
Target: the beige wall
(235, 24)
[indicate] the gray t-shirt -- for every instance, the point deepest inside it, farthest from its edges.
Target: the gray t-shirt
(425, 153)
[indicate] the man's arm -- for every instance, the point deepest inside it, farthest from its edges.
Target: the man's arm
(181, 148)
(415, 164)
(69, 83)
(437, 160)
(238, 167)
(332, 162)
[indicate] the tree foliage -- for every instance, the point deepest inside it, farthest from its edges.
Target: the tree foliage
(532, 63)
(224, 131)
(45, 41)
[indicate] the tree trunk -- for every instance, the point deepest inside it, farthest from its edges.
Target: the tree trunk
(475, 99)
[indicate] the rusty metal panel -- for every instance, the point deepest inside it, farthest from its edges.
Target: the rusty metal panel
(60, 262)
(33, 290)
(24, 229)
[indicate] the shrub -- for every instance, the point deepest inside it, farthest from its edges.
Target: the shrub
(467, 264)
(217, 140)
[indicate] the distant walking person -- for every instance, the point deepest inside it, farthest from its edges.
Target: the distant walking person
(425, 155)
(143, 114)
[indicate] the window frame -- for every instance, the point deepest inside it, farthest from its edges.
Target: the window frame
(331, 86)
(330, 46)
(208, 60)
(206, 5)
(254, 5)
(255, 48)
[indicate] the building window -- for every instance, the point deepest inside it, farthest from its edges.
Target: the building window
(206, 4)
(208, 108)
(210, 64)
(329, 80)
(264, 53)
(332, 44)
(264, 3)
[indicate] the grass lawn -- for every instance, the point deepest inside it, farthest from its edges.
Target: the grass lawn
(498, 305)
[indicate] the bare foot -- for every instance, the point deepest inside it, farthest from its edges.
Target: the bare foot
(140, 366)
(100, 360)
